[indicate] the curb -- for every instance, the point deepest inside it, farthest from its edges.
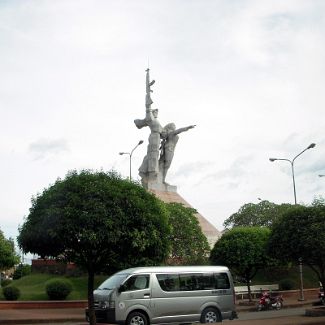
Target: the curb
(315, 312)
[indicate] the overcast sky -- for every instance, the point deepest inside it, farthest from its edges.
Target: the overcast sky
(249, 74)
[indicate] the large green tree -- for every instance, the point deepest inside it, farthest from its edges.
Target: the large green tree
(300, 233)
(243, 250)
(8, 257)
(189, 246)
(97, 220)
(262, 214)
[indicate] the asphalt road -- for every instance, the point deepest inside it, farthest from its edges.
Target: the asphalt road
(271, 313)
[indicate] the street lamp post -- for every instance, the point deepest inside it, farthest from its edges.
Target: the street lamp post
(130, 155)
(302, 298)
(312, 145)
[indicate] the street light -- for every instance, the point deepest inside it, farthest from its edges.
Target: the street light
(312, 145)
(321, 175)
(130, 154)
(302, 298)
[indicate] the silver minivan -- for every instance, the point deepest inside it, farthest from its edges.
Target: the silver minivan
(166, 294)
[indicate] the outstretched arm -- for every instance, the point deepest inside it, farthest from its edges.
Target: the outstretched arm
(178, 131)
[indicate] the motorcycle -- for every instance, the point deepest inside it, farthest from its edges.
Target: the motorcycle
(270, 302)
(321, 295)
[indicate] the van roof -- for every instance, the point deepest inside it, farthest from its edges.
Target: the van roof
(175, 269)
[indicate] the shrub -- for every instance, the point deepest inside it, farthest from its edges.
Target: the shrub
(21, 270)
(5, 282)
(58, 289)
(11, 293)
(286, 284)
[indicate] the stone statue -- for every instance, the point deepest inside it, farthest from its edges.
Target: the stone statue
(150, 166)
(168, 144)
(154, 168)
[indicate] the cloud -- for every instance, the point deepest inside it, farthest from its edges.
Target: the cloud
(45, 148)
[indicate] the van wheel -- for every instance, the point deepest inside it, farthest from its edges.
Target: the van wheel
(137, 318)
(210, 315)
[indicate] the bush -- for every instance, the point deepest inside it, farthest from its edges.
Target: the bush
(21, 270)
(11, 293)
(286, 284)
(58, 289)
(5, 282)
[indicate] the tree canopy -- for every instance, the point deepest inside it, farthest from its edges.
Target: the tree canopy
(299, 234)
(97, 219)
(262, 214)
(189, 246)
(243, 250)
(8, 257)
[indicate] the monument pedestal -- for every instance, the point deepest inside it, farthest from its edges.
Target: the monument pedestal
(161, 187)
(211, 232)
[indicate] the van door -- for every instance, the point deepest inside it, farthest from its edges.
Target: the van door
(134, 293)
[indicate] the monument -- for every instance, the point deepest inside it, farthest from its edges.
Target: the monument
(160, 152)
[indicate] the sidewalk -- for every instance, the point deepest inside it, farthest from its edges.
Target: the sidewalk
(39, 316)
(76, 316)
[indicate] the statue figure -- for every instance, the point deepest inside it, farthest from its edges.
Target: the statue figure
(167, 148)
(154, 168)
(150, 167)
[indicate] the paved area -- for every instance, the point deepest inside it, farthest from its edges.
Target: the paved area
(75, 316)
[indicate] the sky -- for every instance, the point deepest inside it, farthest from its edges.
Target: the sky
(249, 74)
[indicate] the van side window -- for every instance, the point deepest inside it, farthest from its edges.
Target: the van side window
(193, 281)
(196, 281)
(137, 282)
(168, 282)
(221, 281)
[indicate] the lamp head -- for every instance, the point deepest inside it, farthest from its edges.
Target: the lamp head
(312, 145)
(273, 159)
(140, 142)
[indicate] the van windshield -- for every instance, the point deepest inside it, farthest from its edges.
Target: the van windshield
(113, 281)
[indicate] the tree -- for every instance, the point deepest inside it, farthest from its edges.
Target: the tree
(189, 246)
(97, 219)
(299, 234)
(243, 250)
(8, 257)
(262, 214)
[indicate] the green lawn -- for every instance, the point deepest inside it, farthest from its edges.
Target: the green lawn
(32, 287)
(274, 276)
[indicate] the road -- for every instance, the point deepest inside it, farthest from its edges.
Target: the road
(243, 316)
(271, 313)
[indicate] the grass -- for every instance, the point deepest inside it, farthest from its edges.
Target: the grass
(32, 287)
(274, 276)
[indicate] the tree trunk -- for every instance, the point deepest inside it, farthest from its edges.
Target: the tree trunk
(249, 290)
(92, 316)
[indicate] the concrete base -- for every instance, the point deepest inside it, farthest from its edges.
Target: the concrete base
(208, 229)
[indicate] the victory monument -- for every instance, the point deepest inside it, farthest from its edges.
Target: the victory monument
(160, 152)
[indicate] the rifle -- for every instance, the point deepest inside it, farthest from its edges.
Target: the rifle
(148, 90)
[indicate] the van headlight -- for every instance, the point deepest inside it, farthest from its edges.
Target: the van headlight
(103, 304)
(106, 304)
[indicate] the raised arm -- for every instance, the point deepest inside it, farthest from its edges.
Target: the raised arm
(180, 130)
